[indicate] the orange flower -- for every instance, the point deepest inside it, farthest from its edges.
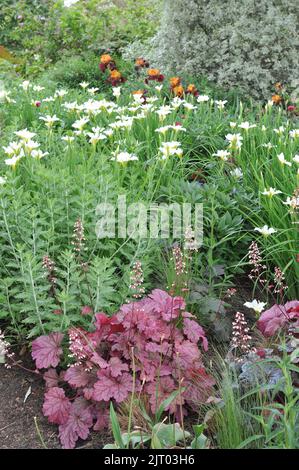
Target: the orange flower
(178, 91)
(115, 75)
(191, 88)
(278, 86)
(276, 99)
(175, 82)
(153, 72)
(105, 59)
(138, 92)
(140, 62)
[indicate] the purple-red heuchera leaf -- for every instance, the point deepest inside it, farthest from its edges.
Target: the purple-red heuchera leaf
(102, 417)
(277, 317)
(77, 376)
(116, 367)
(56, 406)
(77, 425)
(108, 387)
(46, 350)
(169, 307)
(195, 332)
(51, 378)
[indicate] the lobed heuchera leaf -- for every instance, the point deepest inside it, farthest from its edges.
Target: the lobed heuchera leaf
(46, 350)
(77, 425)
(117, 367)
(169, 307)
(277, 317)
(77, 376)
(56, 406)
(108, 387)
(195, 332)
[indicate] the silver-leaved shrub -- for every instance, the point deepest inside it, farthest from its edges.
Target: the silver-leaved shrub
(245, 44)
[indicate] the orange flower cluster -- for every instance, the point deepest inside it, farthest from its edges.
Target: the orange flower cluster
(277, 99)
(141, 63)
(154, 74)
(107, 63)
(115, 77)
(177, 88)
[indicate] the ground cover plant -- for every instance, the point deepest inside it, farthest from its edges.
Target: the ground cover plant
(148, 335)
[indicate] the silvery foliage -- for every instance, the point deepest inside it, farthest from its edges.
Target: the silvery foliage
(242, 43)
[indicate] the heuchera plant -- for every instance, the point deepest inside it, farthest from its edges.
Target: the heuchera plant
(279, 317)
(149, 345)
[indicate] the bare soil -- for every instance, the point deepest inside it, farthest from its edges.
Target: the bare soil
(17, 427)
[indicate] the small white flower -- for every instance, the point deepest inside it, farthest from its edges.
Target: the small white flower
(30, 145)
(158, 87)
(38, 88)
(280, 130)
(220, 103)
(263, 128)
(203, 98)
(124, 157)
(24, 134)
(25, 85)
(163, 111)
(3, 180)
(13, 160)
(174, 127)
(71, 106)
(293, 202)
(282, 160)
(49, 99)
(38, 154)
(4, 96)
(265, 230)
(50, 120)
(116, 91)
(152, 99)
(170, 148)
(68, 138)
(296, 159)
(271, 192)
(294, 133)
(69, 3)
(255, 305)
(246, 125)
(189, 106)
(80, 123)
(222, 154)
(269, 145)
(109, 132)
(13, 148)
(235, 141)
(237, 173)
(84, 85)
(94, 137)
(233, 124)
(92, 90)
(138, 98)
(60, 93)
